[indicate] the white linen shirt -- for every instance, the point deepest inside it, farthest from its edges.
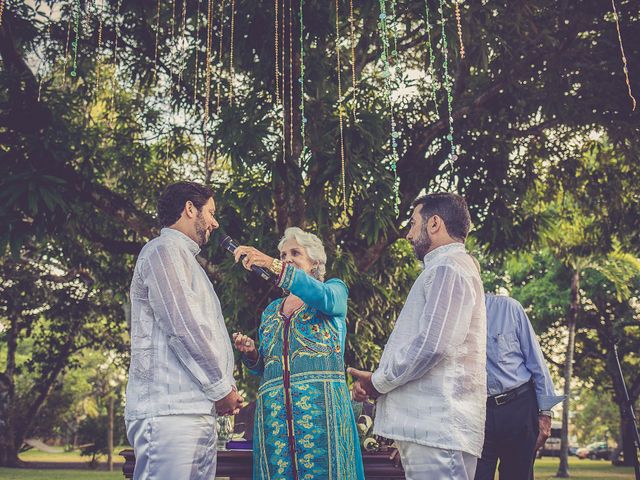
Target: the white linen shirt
(432, 373)
(181, 355)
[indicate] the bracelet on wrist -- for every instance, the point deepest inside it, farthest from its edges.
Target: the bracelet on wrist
(276, 266)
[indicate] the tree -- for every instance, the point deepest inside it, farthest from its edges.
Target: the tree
(55, 312)
(612, 321)
(82, 166)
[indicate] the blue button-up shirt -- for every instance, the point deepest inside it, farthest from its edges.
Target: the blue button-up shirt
(513, 352)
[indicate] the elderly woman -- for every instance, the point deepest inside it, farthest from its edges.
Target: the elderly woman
(304, 423)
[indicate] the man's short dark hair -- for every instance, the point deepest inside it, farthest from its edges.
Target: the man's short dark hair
(451, 208)
(171, 202)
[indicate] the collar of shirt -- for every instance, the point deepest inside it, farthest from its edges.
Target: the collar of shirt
(190, 244)
(448, 248)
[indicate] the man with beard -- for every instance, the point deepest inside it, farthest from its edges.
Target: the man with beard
(431, 381)
(181, 372)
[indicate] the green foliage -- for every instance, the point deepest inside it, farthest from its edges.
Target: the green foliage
(82, 161)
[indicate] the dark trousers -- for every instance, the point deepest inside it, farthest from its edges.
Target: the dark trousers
(510, 437)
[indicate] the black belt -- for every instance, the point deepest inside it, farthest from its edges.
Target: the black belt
(506, 397)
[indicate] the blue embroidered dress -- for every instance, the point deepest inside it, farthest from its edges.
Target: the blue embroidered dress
(304, 424)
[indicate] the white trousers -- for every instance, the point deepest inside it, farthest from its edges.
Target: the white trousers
(174, 447)
(429, 463)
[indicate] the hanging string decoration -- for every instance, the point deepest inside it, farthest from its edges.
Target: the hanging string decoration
(100, 28)
(74, 44)
(290, 78)
(1, 11)
(208, 59)
(459, 26)
(447, 85)
(353, 56)
(303, 120)
(431, 69)
(276, 31)
(625, 68)
(219, 69)
(66, 52)
(231, 68)
(197, 54)
(183, 41)
(387, 76)
(283, 83)
(155, 55)
(116, 28)
(340, 113)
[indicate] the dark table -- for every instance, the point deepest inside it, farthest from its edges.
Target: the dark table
(238, 465)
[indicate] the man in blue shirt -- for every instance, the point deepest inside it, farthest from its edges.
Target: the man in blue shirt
(520, 393)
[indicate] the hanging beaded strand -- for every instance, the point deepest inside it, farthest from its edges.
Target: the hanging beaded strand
(208, 60)
(431, 69)
(219, 69)
(283, 83)
(1, 11)
(116, 28)
(66, 52)
(276, 32)
(447, 85)
(301, 80)
(625, 68)
(100, 28)
(384, 35)
(183, 41)
(74, 44)
(459, 26)
(197, 52)
(231, 68)
(290, 78)
(155, 55)
(340, 119)
(353, 57)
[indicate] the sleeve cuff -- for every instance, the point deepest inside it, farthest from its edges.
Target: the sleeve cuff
(547, 402)
(286, 277)
(250, 364)
(380, 383)
(217, 391)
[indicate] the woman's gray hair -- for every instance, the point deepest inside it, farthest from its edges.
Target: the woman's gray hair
(312, 245)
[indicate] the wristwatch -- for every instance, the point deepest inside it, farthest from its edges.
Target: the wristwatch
(547, 413)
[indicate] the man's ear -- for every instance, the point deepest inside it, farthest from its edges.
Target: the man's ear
(190, 209)
(434, 223)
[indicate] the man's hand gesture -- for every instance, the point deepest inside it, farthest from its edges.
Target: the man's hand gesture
(229, 405)
(362, 389)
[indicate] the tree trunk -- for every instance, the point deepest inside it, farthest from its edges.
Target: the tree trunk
(8, 448)
(110, 434)
(628, 446)
(563, 469)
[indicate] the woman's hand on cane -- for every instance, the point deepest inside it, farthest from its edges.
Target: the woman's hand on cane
(245, 345)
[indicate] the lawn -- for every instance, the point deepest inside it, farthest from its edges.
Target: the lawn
(545, 469)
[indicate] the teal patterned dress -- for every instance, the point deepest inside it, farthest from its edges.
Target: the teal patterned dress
(304, 424)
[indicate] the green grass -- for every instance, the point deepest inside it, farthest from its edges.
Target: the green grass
(29, 474)
(34, 455)
(545, 469)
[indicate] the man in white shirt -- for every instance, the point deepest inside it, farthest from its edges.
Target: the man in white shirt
(431, 381)
(181, 372)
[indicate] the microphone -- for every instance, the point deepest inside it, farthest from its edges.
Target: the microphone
(228, 244)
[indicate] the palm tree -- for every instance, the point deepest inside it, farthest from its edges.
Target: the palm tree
(576, 241)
